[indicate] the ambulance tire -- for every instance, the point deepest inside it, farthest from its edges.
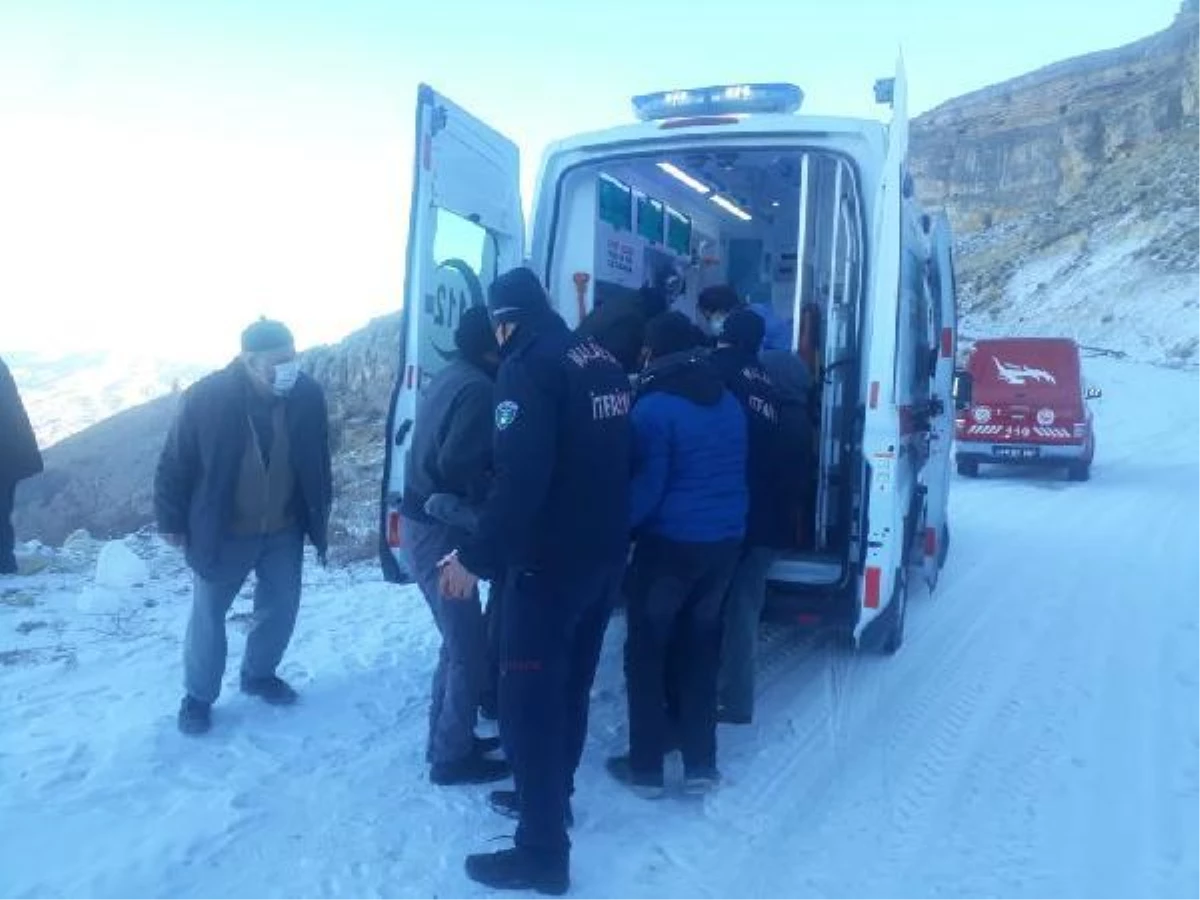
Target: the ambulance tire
(968, 468)
(1079, 471)
(898, 610)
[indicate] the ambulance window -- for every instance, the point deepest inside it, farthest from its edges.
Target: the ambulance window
(458, 238)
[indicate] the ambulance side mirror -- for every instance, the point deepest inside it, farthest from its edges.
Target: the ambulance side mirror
(963, 389)
(1093, 393)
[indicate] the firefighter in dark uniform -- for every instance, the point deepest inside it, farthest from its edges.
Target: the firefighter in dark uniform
(555, 527)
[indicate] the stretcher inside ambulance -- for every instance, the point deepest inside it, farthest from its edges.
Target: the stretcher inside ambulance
(811, 217)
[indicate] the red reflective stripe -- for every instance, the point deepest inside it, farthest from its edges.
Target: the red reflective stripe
(394, 531)
(874, 394)
(947, 343)
(871, 590)
(931, 542)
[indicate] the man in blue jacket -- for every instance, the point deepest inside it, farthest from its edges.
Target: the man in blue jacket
(689, 502)
(244, 477)
(556, 526)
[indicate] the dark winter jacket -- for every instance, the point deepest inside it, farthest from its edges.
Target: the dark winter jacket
(754, 390)
(451, 450)
(619, 326)
(19, 455)
(690, 445)
(798, 474)
(559, 502)
(197, 477)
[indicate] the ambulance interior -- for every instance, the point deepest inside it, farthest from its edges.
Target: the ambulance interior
(783, 227)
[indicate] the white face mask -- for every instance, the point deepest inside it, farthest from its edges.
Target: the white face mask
(285, 377)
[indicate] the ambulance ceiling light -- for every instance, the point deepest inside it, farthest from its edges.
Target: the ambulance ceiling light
(730, 207)
(679, 175)
(730, 99)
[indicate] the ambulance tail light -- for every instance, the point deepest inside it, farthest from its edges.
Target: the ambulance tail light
(395, 536)
(872, 580)
(718, 100)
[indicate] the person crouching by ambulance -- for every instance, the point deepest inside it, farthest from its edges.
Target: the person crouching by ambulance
(244, 476)
(689, 504)
(736, 359)
(451, 457)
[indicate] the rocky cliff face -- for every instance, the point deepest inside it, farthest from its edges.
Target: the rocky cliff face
(1073, 193)
(102, 478)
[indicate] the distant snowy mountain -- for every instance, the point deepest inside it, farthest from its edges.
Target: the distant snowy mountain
(65, 394)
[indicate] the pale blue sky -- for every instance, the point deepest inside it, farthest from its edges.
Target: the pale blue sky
(170, 170)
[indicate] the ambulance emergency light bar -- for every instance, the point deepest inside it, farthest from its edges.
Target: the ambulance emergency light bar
(719, 100)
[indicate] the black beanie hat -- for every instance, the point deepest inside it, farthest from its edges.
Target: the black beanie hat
(517, 295)
(474, 337)
(744, 329)
(266, 334)
(669, 333)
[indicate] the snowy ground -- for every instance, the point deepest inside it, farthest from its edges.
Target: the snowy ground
(1037, 735)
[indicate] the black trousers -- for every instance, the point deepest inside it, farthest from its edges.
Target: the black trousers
(8, 539)
(552, 631)
(672, 654)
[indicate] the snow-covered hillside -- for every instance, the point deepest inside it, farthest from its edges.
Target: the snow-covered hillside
(66, 394)
(1036, 736)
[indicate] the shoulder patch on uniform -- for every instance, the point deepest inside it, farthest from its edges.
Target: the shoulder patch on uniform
(506, 414)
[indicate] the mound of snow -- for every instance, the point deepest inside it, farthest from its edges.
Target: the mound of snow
(119, 568)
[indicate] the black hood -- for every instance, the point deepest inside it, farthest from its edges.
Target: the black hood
(688, 375)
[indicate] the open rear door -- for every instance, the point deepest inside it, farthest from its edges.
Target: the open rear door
(936, 539)
(884, 562)
(465, 227)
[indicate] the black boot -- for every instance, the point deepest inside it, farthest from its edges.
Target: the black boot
(520, 870)
(486, 745)
(647, 785)
(505, 803)
(195, 716)
(272, 689)
(474, 769)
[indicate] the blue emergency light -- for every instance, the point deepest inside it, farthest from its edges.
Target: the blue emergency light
(719, 100)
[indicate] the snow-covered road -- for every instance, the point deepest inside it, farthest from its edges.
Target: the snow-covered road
(1037, 735)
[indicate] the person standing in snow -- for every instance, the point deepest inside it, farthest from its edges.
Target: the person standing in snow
(244, 477)
(452, 455)
(736, 359)
(556, 527)
(19, 459)
(689, 503)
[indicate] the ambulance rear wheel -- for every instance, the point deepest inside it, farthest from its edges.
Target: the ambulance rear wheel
(899, 611)
(1079, 472)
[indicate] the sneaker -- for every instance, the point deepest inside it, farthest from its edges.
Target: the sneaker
(272, 689)
(195, 716)
(472, 770)
(700, 781)
(486, 745)
(520, 870)
(505, 803)
(646, 785)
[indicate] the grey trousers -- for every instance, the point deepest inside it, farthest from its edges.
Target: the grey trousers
(461, 669)
(277, 561)
(739, 644)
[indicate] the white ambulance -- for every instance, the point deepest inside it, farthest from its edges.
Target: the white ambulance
(731, 184)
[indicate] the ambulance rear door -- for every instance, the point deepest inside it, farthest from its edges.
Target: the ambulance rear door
(465, 228)
(884, 558)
